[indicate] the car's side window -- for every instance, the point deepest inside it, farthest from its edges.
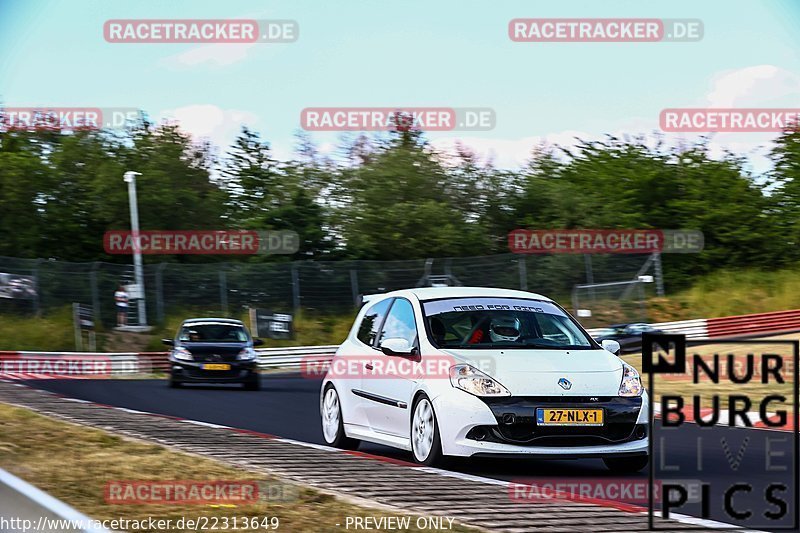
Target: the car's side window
(400, 323)
(373, 319)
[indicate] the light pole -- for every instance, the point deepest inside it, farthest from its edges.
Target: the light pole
(130, 179)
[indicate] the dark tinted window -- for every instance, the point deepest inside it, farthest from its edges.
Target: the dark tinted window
(213, 332)
(368, 329)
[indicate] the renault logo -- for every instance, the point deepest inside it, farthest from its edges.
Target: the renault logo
(565, 384)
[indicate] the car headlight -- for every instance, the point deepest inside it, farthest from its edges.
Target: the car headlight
(473, 381)
(183, 354)
(631, 383)
(248, 354)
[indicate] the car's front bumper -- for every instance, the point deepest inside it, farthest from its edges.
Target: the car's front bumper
(193, 372)
(469, 426)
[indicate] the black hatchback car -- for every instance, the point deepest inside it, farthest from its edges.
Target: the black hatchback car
(213, 350)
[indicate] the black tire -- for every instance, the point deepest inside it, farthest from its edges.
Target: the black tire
(175, 384)
(252, 385)
(626, 465)
(435, 456)
(339, 440)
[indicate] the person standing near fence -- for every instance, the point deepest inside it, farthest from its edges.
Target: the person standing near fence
(121, 298)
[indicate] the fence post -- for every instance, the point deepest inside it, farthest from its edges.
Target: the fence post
(95, 292)
(354, 285)
(77, 327)
(160, 292)
(223, 291)
(37, 297)
(575, 303)
(659, 274)
(523, 273)
(587, 260)
(295, 289)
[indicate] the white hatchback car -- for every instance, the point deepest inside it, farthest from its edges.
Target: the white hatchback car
(462, 371)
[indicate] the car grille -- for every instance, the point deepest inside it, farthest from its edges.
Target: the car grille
(213, 374)
(214, 358)
(516, 421)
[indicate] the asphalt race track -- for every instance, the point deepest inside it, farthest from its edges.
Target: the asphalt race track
(287, 406)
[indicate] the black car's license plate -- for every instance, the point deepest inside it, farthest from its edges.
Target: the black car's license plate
(216, 366)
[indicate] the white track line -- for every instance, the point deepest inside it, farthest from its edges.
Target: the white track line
(205, 424)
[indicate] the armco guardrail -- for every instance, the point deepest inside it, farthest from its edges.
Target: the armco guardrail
(268, 358)
(33, 365)
(69, 364)
(26, 508)
(693, 329)
(293, 357)
(732, 326)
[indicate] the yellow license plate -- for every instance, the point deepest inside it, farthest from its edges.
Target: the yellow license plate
(215, 366)
(569, 417)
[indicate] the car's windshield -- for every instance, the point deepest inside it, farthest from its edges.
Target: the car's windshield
(213, 332)
(502, 323)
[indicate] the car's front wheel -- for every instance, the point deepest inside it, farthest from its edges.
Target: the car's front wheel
(333, 422)
(425, 441)
(626, 465)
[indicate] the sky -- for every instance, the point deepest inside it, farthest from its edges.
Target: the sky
(444, 53)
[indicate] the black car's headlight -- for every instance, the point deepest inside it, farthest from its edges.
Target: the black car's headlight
(182, 354)
(248, 354)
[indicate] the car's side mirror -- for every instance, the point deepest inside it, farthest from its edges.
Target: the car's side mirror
(397, 346)
(258, 342)
(168, 342)
(611, 346)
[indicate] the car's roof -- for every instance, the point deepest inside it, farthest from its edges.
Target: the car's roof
(212, 319)
(434, 293)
